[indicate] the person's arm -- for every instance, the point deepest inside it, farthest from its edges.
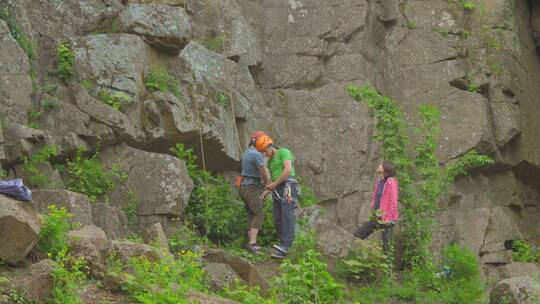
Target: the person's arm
(265, 175)
(287, 169)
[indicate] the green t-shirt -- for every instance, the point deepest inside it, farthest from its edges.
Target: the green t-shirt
(276, 163)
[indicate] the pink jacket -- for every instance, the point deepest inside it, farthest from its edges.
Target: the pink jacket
(389, 200)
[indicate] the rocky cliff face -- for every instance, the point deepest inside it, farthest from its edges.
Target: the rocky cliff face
(282, 66)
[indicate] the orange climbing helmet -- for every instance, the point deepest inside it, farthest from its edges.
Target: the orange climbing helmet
(263, 142)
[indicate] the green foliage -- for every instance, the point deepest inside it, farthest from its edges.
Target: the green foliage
(131, 209)
(16, 297)
(185, 239)
(524, 252)
(411, 25)
(65, 60)
(89, 177)
(467, 5)
(216, 43)
(48, 104)
(53, 236)
(135, 238)
(223, 99)
(244, 294)
(166, 280)
(366, 262)
(469, 160)
(49, 88)
(17, 33)
(473, 88)
(33, 119)
(216, 211)
(160, 79)
(36, 177)
(307, 280)
(115, 99)
(455, 281)
(69, 277)
(422, 182)
(87, 84)
(307, 196)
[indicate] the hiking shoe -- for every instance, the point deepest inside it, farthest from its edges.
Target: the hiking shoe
(254, 248)
(281, 249)
(279, 255)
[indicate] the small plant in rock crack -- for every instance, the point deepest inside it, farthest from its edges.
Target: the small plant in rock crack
(33, 119)
(473, 88)
(65, 61)
(222, 99)
(467, 5)
(48, 104)
(160, 79)
(114, 100)
(17, 33)
(216, 43)
(31, 164)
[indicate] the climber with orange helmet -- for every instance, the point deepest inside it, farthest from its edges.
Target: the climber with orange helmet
(253, 179)
(284, 189)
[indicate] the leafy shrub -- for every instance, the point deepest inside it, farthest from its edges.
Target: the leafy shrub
(48, 104)
(216, 211)
(69, 277)
(53, 237)
(160, 79)
(307, 280)
(17, 33)
(524, 252)
(366, 262)
(114, 100)
(245, 294)
(307, 196)
(37, 178)
(166, 280)
(65, 60)
(33, 119)
(89, 177)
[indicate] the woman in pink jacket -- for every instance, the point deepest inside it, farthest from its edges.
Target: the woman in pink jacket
(384, 205)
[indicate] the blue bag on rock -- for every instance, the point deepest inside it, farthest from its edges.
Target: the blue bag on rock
(15, 189)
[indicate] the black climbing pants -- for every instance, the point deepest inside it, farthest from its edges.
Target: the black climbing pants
(369, 227)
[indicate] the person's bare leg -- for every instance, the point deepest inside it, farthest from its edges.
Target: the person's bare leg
(254, 232)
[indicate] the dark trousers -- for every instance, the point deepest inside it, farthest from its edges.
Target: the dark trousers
(285, 198)
(369, 227)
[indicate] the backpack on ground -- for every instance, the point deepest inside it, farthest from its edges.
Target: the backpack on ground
(15, 189)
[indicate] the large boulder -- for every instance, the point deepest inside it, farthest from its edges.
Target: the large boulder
(220, 275)
(535, 23)
(520, 269)
(166, 28)
(106, 118)
(518, 290)
(126, 250)
(85, 249)
(93, 234)
(35, 282)
(334, 241)
(76, 203)
(155, 235)
(113, 61)
(15, 82)
(159, 183)
(112, 220)
(245, 270)
(19, 230)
